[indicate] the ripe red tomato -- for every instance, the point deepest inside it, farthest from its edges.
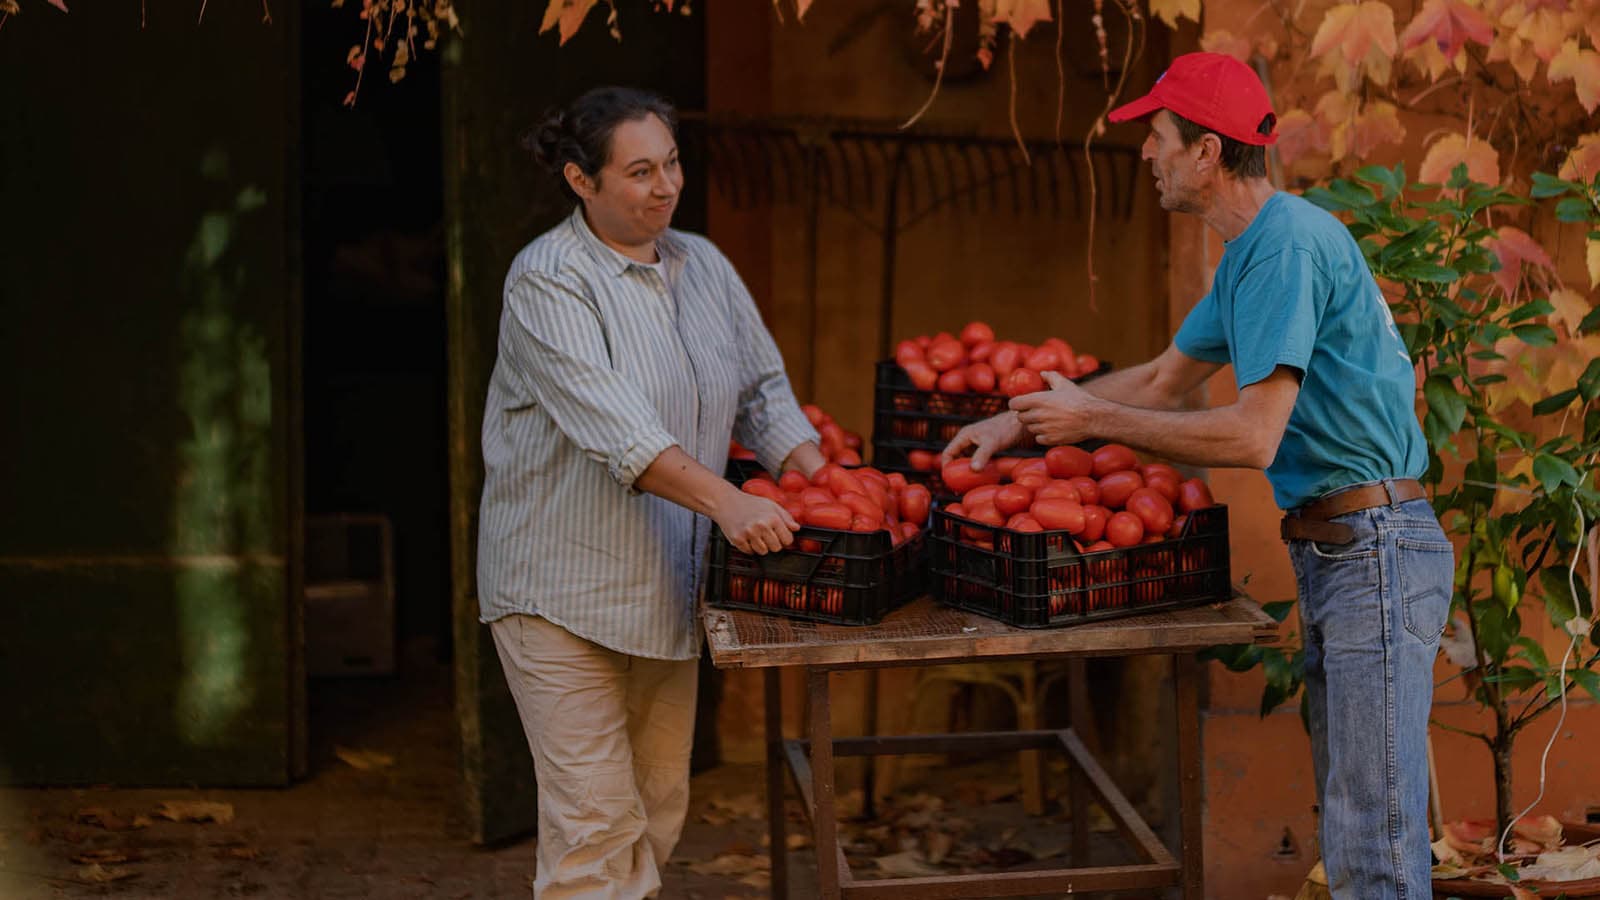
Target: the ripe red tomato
(879, 494)
(815, 415)
(1149, 469)
(923, 341)
(986, 514)
(829, 515)
(1163, 484)
(1058, 490)
(1059, 515)
(897, 482)
(843, 482)
(981, 351)
(1193, 494)
(865, 524)
(980, 378)
(980, 495)
(953, 381)
(1013, 499)
(923, 460)
(1068, 462)
(1006, 464)
(923, 377)
(1043, 360)
(1032, 480)
(909, 530)
(1021, 381)
(1088, 489)
(1153, 539)
(1114, 458)
(1154, 510)
(946, 355)
(816, 496)
(1005, 358)
(1116, 488)
(1179, 522)
(1024, 522)
(959, 477)
(793, 482)
(846, 457)
(808, 545)
(764, 487)
(1028, 467)
(820, 477)
(976, 332)
(1124, 529)
(1098, 546)
(1095, 517)
(907, 352)
(795, 508)
(1087, 364)
(914, 502)
(871, 473)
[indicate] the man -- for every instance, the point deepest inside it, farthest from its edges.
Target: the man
(1325, 406)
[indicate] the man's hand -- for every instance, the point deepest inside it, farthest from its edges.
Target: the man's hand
(986, 438)
(754, 524)
(1062, 415)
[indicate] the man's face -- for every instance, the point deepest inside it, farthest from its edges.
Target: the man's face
(639, 185)
(1178, 180)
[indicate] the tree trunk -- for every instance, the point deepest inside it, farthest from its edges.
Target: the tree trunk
(1502, 783)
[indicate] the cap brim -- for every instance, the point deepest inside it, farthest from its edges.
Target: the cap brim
(1138, 109)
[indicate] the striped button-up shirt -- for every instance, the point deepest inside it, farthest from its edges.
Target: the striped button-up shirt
(602, 365)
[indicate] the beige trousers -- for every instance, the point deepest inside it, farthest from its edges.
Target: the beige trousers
(610, 735)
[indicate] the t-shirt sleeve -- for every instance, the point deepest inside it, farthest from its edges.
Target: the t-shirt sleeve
(1201, 336)
(1276, 308)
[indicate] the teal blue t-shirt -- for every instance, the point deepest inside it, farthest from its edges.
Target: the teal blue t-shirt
(1293, 290)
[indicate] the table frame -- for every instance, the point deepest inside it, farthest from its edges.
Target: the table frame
(810, 762)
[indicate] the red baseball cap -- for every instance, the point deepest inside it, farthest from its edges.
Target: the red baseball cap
(1213, 90)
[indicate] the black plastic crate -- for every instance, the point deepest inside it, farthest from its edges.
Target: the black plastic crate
(739, 471)
(1041, 580)
(856, 578)
(902, 413)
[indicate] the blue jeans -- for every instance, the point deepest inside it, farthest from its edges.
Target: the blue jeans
(1372, 611)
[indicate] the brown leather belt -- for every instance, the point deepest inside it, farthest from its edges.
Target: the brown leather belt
(1311, 521)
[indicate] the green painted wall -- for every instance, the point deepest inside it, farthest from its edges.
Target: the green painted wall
(148, 276)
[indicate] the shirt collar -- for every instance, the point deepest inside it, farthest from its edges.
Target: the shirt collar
(668, 246)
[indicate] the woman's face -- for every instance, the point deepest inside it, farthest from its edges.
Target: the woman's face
(632, 201)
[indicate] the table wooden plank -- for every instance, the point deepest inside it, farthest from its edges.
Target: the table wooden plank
(925, 632)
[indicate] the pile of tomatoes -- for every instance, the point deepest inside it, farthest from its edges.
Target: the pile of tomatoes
(861, 500)
(837, 444)
(975, 362)
(1104, 500)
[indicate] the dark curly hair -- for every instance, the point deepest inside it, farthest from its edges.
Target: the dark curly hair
(581, 132)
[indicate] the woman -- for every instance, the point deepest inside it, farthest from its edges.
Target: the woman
(629, 354)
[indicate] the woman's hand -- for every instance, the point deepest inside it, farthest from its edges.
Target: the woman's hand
(754, 524)
(987, 438)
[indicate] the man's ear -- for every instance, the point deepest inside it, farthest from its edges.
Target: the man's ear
(581, 184)
(1209, 155)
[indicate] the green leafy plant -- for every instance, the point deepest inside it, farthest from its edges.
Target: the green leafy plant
(1509, 379)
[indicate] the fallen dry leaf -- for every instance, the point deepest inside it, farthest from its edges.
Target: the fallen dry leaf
(729, 864)
(797, 841)
(195, 811)
(105, 818)
(107, 856)
(937, 846)
(365, 760)
(94, 873)
(906, 864)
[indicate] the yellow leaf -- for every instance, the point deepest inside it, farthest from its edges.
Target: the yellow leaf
(1542, 27)
(1378, 123)
(1022, 15)
(1170, 11)
(1593, 255)
(1582, 67)
(1583, 163)
(1429, 60)
(1363, 36)
(1221, 40)
(569, 14)
(1508, 47)
(1571, 307)
(1483, 163)
(1299, 135)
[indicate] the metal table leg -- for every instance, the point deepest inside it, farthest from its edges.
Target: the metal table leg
(778, 850)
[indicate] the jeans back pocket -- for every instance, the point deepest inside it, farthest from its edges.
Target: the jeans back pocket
(1427, 573)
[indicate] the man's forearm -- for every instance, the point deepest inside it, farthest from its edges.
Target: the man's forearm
(1136, 386)
(1201, 437)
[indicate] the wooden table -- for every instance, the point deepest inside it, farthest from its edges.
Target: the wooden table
(924, 633)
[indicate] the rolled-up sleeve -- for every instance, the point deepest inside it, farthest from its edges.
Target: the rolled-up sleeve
(553, 340)
(769, 421)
